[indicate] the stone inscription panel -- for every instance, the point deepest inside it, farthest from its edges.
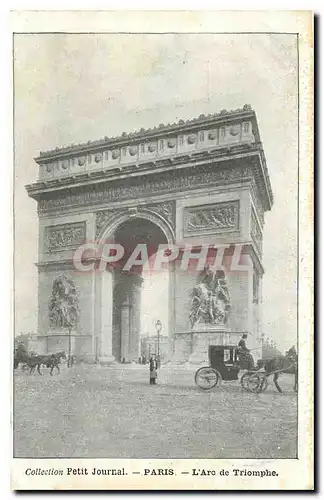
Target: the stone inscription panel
(65, 236)
(218, 217)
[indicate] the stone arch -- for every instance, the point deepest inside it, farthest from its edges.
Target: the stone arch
(125, 320)
(118, 219)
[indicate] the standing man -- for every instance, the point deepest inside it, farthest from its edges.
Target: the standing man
(153, 370)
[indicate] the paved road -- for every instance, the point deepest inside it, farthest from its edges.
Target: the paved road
(94, 412)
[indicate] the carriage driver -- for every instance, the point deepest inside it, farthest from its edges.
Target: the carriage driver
(245, 357)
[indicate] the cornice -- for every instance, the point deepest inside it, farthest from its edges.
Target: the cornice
(55, 265)
(152, 169)
(255, 256)
(202, 120)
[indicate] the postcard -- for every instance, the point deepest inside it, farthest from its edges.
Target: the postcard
(163, 215)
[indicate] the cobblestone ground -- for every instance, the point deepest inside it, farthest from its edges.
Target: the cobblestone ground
(95, 412)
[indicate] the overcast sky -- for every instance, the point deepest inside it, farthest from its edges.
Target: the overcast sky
(75, 88)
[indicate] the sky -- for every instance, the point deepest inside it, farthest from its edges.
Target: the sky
(75, 88)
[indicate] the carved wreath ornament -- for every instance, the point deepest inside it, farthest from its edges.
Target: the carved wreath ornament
(63, 306)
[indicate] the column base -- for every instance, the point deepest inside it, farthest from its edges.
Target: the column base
(106, 360)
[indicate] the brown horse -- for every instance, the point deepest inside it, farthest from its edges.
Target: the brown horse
(280, 364)
(53, 360)
(35, 361)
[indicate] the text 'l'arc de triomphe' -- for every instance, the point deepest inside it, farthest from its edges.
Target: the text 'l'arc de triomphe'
(200, 182)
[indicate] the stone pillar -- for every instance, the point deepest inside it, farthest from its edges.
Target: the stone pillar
(260, 314)
(106, 309)
(135, 318)
(257, 300)
(125, 330)
(172, 306)
(250, 312)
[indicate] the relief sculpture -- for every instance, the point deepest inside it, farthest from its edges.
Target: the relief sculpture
(256, 231)
(102, 219)
(220, 216)
(63, 305)
(105, 216)
(101, 193)
(210, 302)
(166, 210)
(65, 236)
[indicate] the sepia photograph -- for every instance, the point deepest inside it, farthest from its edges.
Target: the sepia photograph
(156, 252)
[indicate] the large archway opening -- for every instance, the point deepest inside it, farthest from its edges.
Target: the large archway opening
(141, 294)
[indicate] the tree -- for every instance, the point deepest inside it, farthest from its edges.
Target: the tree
(22, 339)
(270, 349)
(20, 349)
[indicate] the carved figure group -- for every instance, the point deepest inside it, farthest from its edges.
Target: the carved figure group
(63, 306)
(65, 236)
(210, 303)
(220, 216)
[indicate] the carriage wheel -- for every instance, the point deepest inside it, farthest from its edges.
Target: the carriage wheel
(251, 381)
(207, 378)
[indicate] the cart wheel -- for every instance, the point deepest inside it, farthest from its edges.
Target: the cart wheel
(251, 381)
(207, 378)
(263, 383)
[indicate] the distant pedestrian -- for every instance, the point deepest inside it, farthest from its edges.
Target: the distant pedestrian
(153, 371)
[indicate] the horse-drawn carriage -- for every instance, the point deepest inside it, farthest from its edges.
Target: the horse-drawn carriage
(225, 364)
(33, 361)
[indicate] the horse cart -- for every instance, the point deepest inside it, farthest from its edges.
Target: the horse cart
(224, 365)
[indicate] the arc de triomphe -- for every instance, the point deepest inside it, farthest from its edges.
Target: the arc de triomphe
(199, 182)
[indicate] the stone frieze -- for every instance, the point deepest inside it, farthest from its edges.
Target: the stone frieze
(169, 182)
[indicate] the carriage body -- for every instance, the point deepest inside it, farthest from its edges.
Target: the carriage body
(223, 365)
(225, 360)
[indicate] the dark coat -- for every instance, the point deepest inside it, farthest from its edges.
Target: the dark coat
(245, 358)
(153, 372)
